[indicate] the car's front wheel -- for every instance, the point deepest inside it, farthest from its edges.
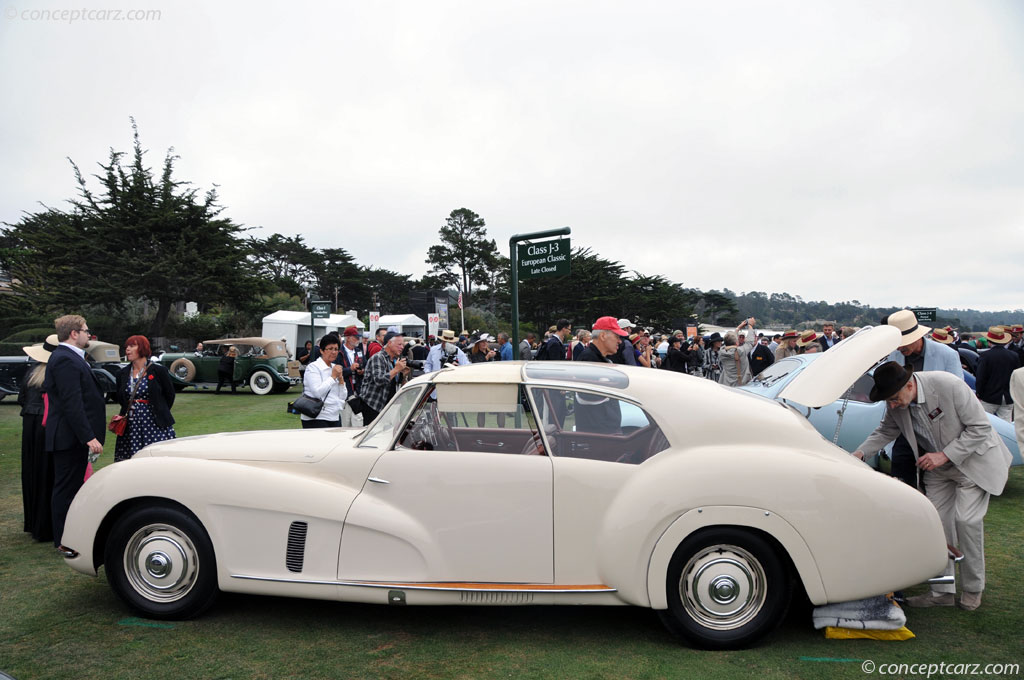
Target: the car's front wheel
(726, 588)
(261, 382)
(160, 561)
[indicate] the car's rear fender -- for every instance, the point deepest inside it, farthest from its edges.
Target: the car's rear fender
(833, 516)
(765, 522)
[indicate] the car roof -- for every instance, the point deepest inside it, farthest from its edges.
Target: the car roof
(272, 346)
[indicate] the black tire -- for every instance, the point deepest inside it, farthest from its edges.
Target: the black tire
(183, 369)
(727, 587)
(160, 561)
(261, 382)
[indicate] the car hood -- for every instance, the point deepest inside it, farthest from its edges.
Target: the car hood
(284, 446)
(824, 380)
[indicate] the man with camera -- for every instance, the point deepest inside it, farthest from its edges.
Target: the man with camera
(384, 374)
(445, 353)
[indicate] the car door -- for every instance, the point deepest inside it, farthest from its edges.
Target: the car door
(460, 498)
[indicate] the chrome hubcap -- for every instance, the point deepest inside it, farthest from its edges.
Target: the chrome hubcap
(723, 587)
(161, 563)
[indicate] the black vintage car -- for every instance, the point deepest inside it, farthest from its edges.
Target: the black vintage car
(104, 357)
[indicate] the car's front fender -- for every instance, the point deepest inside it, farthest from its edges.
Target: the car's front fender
(246, 509)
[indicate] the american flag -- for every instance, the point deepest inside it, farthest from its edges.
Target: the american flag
(460, 299)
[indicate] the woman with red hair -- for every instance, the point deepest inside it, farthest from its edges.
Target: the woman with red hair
(146, 394)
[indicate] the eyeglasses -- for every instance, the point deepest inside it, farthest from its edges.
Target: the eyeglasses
(83, 330)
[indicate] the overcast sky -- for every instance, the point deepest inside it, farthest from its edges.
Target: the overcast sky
(858, 150)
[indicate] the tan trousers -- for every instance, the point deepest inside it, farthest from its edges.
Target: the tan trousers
(350, 418)
(962, 505)
(1004, 411)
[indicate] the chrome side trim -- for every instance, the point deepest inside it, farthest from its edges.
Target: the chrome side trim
(425, 586)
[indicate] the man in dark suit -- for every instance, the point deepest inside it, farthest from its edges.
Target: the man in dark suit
(993, 374)
(75, 424)
(828, 337)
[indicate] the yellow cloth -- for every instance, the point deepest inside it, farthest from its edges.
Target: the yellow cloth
(834, 633)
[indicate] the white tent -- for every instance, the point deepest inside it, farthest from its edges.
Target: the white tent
(408, 324)
(294, 327)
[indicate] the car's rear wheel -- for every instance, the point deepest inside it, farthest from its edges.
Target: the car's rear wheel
(261, 382)
(160, 561)
(726, 588)
(183, 369)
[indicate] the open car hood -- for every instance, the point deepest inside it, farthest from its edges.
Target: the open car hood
(826, 378)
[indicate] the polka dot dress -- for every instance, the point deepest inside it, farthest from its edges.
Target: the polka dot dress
(142, 428)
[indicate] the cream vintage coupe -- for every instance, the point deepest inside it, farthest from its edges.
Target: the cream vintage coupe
(524, 483)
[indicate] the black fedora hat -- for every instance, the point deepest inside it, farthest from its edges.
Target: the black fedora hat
(715, 337)
(890, 378)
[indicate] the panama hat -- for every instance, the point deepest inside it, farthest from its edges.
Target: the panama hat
(942, 335)
(907, 324)
(448, 335)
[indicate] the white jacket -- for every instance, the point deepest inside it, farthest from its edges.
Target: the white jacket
(317, 382)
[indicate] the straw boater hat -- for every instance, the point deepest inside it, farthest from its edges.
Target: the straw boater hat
(942, 335)
(808, 337)
(997, 335)
(41, 352)
(907, 324)
(1017, 328)
(790, 335)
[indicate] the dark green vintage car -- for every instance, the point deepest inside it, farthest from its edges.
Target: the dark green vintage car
(261, 363)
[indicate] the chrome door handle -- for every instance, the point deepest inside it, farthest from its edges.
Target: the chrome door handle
(377, 480)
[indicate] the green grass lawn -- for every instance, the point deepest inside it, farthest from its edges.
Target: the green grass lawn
(56, 623)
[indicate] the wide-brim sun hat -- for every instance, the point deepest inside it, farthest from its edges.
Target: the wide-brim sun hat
(909, 328)
(41, 352)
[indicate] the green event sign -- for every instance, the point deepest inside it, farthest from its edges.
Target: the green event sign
(544, 258)
(925, 314)
(321, 310)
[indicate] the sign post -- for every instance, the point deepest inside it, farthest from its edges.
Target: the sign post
(318, 309)
(547, 258)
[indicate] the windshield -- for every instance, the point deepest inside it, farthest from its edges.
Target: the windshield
(391, 419)
(777, 371)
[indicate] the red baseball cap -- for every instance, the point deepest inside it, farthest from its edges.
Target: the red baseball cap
(609, 323)
(351, 330)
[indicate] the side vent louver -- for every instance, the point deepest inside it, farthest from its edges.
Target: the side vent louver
(296, 546)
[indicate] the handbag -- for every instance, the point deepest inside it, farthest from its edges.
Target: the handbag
(119, 423)
(355, 402)
(307, 406)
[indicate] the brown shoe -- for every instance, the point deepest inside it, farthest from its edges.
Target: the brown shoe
(970, 601)
(931, 599)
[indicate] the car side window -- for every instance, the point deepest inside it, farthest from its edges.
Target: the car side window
(582, 424)
(473, 417)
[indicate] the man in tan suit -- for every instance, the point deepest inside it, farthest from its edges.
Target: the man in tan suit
(962, 459)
